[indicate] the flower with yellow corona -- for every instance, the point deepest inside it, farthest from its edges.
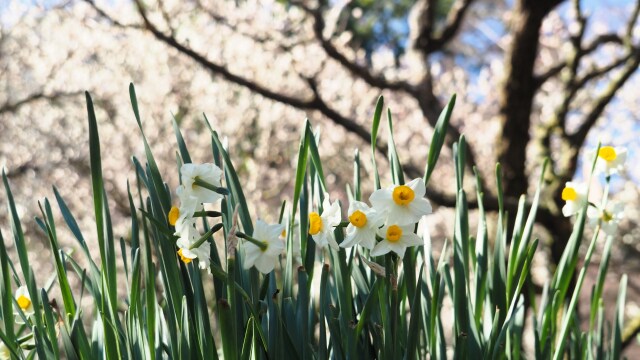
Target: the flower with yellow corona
(364, 222)
(397, 239)
(208, 173)
(575, 196)
(189, 204)
(24, 303)
(188, 236)
(321, 226)
(610, 160)
(608, 217)
(402, 204)
(264, 259)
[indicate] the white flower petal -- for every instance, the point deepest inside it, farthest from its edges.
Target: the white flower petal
(381, 248)
(418, 187)
(251, 254)
(398, 248)
(420, 207)
(265, 264)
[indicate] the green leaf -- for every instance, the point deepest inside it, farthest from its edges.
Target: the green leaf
(315, 157)
(374, 138)
(229, 347)
(184, 153)
(394, 160)
(6, 295)
(63, 281)
(439, 134)
(416, 319)
(356, 176)
(303, 151)
(16, 228)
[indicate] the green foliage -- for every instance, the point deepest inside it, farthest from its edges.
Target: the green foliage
(157, 306)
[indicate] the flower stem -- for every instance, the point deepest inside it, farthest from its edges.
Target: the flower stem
(206, 236)
(206, 185)
(342, 224)
(254, 241)
(207, 214)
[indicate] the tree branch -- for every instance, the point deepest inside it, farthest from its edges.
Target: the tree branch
(550, 73)
(359, 71)
(630, 61)
(427, 41)
(605, 98)
(14, 106)
(103, 14)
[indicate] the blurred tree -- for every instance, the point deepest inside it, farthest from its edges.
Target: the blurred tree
(533, 77)
(434, 31)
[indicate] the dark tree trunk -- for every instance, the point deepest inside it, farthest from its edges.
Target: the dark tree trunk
(518, 92)
(516, 106)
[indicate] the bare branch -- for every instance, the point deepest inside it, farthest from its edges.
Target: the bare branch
(550, 73)
(602, 40)
(632, 23)
(356, 69)
(597, 72)
(629, 61)
(220, 69)
(14, 106)
(260, 39)
(584, 50)
(454, 19)
(427, 41)
(605, 98)
(110, 18)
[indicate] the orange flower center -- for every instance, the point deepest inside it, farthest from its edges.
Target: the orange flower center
(608, 153)
(394, 233)
(24, 302)
(358, 219)
(569, 194)
(403, 195)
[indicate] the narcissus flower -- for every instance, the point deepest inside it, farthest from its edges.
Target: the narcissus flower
(24, 303)
(364, 222)
(611, 160)
(401, 204)
(609, 217)
(397, 239)
(202, 181)
(189, 236)
(575, 195)
(264, 257)
(189, 204)
(321, 226)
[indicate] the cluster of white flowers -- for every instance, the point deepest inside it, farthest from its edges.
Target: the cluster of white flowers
(391, 219)
(202, 184)
(199, 185)
(386, 226)
(609, 161)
